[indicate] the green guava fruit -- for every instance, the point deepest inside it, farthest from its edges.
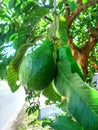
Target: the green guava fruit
(38, 67)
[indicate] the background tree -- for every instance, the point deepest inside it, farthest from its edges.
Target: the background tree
(25, 22)
(84, 21)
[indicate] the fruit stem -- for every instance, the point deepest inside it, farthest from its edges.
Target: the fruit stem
(55, 21)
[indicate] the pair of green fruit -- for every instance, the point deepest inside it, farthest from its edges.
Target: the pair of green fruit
(38, 67)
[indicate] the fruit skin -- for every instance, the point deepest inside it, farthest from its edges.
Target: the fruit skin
(38, 67)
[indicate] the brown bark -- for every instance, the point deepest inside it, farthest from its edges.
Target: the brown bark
(80, 55)
(79, 2)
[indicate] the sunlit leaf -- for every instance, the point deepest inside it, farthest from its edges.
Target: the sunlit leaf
(12, 3)
(31, 5)
(72, 6)
(51, 93)
(62, 30)
(3, 71)
(64, 54)
(51, 3)
(13, 68)
(65, 123)
(82, 100)
(60, 5)
(85, 109)
(18, 10)
(84, 1)
(29, 24)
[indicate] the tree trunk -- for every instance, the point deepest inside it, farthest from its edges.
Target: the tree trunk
(82, 54)
(82, 59)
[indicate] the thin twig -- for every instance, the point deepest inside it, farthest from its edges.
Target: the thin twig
(54, 20)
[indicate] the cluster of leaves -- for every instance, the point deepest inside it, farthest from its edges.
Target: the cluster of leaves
(76, 90)
(93, 64)
(79, 29)
(32, 99)
(93, 59)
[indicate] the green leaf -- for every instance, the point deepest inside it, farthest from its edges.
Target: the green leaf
(84, 1)
(12, 76)
(62, 31)
(82, 100)
(3, 63)
(43, 1)
(72, 6)
(13, 68)
(37, 13)
(18, 9)
(61, 82)
(63, 105)
(51, 93)
(31, 5)
(60, 4)
(51, 2)
(3, 71)
(65, 123)
(29, 24)
(85, 109)
(64, 55)
(65, 64)
(12, 3)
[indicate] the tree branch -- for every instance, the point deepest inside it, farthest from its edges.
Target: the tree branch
(93, 39)
(79, 10)
(94, 32)
(90, 44)
(72, 46)
(67, 12)
(79, 2)
(55, 26)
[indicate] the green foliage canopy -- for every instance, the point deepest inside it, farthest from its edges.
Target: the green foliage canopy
(23, 22)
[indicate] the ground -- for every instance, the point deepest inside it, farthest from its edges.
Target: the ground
(22, 121)
(10, 104)
(19, 122)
